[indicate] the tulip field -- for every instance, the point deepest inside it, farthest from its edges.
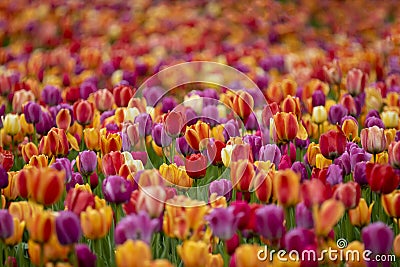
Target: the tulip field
(199, 133)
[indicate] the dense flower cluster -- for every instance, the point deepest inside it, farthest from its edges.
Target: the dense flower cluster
(110, 158)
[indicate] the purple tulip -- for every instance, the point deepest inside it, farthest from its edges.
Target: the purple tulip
(304, 217)
(252, 123)
(301, 143)
(63, 164)
(255, 143)
(359, 174)
(374, 121)
(358, 154)
(85, 257)
(285, 163)
(135, 227)
(140, 155)
(298, 239)
(292, 151)
(168, 104)
(378, 238)
(3, 178)
(270, 152)
(153, 95)
(270, 222)
(45, 123)
(160, 136)
(344, 162)
(397, 138)
(2, 113)
(86, 89)
(222, 187)
(129, 76)
(231, 129)
(318, 98)
(112, 128)
(76, 178)
(191, 116)
(107, 68)
(68, 228)
(183, 147)
(51, 95)
(334, 175)
(87, 162)
(6, 224)
(336, 113)
(32, 112)
(145, 124)
(224, 222)
(300, 168)
(116, 189)
(106, 114)
(210, 115)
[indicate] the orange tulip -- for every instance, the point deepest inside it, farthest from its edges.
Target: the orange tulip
(286, 187)
(96, 223)
(110, 142)
(23, 210)
(291, 104)
(28, 150)
(312, 151)
(361, 215)
(16, 237)
(327, 216)
(242, 173)
(39, 161)
(193, 254)
(244, 260)
(197, 132)
(53, 251)
(243, 104)
(286, 128)
(92, 138)
(41, 226)
(11, 191)
(391, 203)
(262, 185)
(63, 119)
(350, 129)
(133, 254)
(55, 143)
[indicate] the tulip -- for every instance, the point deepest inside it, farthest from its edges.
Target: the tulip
(242, 152)
(231, 129)
(355, 81)
(304, 218)
(333, 72)
(95, 223)
(291, 105)
(76, 178)
(183, 146)
(314, 192)
(32, 112)
(270, 222)
(135, 227)
(133, 254)
(41, 226)
(151, 199)
(110, 142)
(52, 251)
(359, 174)
(361, 215)
(103, 99)
(394, 154)
(174, 123)
(11, 124)
(327, 216)
(336, 113)
(160, 136)
(83, 112)
(63, 164)
(196, 166)
(64, 119)
(87, 162)
(286, 187)
(78, 201)
(334, 175)
(271, 153)
(349, 194)
(396, 246)
(243, 104)
(262, 185)
(226, 154)
(28, 151)
(319, 114)
(4, 180)
(312, 151)
(299, 239)
(84, 256)
(242, 172)
(224, 222)
(222, 187)
(373, 140)
(92, 138)
(51, 95)
(241, 257)
(116, 189)
(378, 238)
(16, 237)
(122, 95)
(145, 124)
(391, 203)
(300, 168)
(381, 178)
(196, 133)
(255, 143)
(214, 151)
(193, 254)
(318, 99)
(20, 98)
(6, 225)
(45, 123)
(287, 128)
(68, 228)
(333, 143)
(168, 104)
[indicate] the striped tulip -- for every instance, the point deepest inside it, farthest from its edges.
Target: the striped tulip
(195, 133)
(286, 187)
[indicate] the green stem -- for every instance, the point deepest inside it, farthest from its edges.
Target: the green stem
(83, 140)
(225, 256)
(173, 150)
(35, 140)
(41, 255)
(288, 149)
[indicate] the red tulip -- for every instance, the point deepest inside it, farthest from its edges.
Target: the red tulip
(349, 194)
(79, 200)
(381, 178)
(122, 95)
(333, 143)
(196, 166)
(174, 123)
(314, 192)
(83, 112)
(112, 163)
